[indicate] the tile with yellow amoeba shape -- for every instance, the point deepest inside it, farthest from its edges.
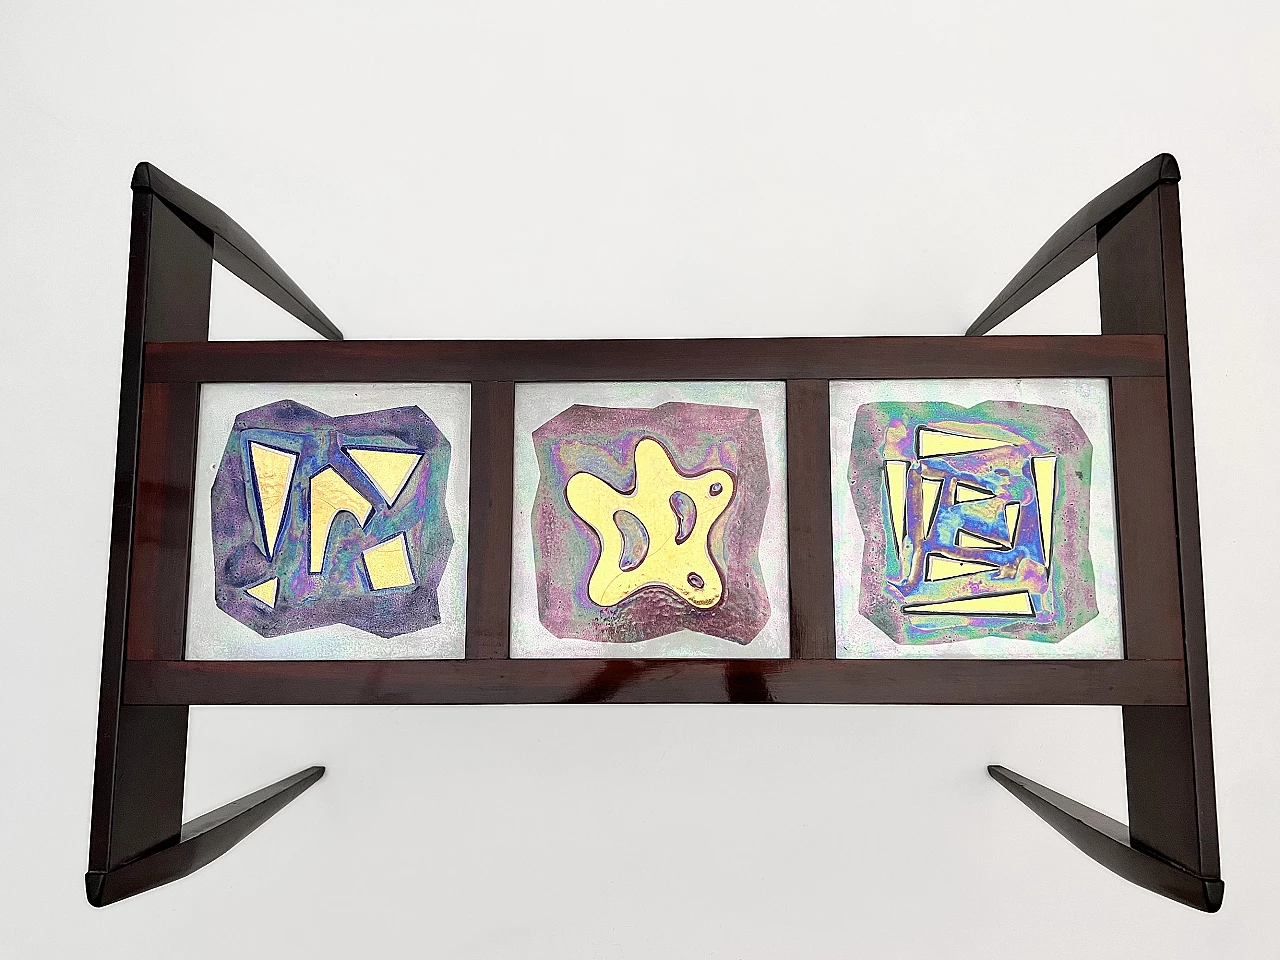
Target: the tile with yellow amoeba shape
(676, 553)
(683, 565)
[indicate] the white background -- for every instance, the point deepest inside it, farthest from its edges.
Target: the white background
(670, 169)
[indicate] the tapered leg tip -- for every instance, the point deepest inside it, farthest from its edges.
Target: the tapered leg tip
(95, 883)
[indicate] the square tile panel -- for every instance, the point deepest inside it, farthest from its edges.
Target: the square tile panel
(650, 520)
(330, 522)
(974, 518)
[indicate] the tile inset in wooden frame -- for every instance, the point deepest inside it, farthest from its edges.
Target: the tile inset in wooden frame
(974, 518)
(330, 522)
(650, 520)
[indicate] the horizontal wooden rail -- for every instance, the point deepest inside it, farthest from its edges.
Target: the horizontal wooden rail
(808, 358)
(1099, 682)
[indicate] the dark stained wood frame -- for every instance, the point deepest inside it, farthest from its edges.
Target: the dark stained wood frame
(138, 840)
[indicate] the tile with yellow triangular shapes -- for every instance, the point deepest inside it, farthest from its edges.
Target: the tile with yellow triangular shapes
(272, 481)
(387, 470)
(388, 564)
(939, 567)
(932, 442)
(968, 493)
(265, 592)
(1016, 604)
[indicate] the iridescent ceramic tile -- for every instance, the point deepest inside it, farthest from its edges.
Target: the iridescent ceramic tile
(331, 522)
(974, 518)
(650, 520)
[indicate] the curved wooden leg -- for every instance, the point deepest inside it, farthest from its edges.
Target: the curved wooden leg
(202, 841)
(1108, 842)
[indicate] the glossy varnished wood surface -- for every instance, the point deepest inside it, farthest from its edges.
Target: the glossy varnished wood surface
(1168, 749)
(1171, 842)
(788, 358)
(1075, 241)
(201, 841)
(810, 561)
(1188, 518)
(141, 751)
(493, 407)
(162, 527)
(1162, 687)
(233, 247)
(657, 681)
(1147, 534)
(1111, 843)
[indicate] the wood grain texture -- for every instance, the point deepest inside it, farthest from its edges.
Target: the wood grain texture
(162, 527)
(1160, 780)
(493, 410)
(141, 751)
(1148, 535)
(657, 681)
(791, 358)
(1130, 272)
(1168, 750)
(1188, 519)
(811, 562)
(116, 619)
